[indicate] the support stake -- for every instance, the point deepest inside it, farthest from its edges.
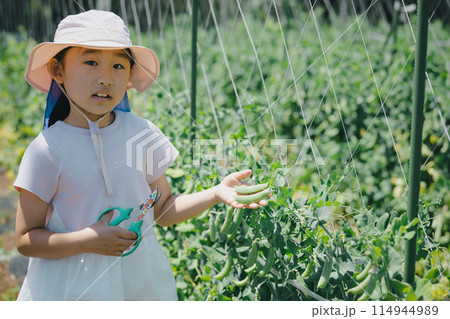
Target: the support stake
(193, 73)
(416, 133)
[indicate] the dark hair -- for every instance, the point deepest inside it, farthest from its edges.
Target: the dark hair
(62, 106)
(130, 57)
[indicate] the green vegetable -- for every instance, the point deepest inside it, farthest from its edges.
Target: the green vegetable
(269, 262)
(204, 215)
(326, 271)
(369, 288)
(212, 228)
(228, 219)
(252, 255)
(250, 189)
(226, 269)
(250, 269)
(253, 198)
(241, 283)
(360, 287)
(190, 189)
(365, 272)
(235, 227)
(308, 271)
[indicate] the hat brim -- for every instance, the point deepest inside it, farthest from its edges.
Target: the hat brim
(144, 73)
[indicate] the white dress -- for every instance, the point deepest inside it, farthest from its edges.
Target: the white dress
(61, 168)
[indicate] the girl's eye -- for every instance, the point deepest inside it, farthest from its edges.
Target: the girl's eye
(92, 63)
(118, 66)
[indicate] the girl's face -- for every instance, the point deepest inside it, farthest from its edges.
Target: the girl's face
(96, 80)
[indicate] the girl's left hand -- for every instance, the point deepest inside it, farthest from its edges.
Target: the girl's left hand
(225, 191)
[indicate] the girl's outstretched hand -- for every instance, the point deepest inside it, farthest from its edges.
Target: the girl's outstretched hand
(225, 191)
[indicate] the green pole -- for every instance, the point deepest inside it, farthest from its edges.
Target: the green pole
(416, 133)
(194, 73)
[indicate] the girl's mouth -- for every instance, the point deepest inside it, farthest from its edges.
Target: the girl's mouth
(102, 97)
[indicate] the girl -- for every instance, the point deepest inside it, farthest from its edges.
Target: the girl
(77, 167)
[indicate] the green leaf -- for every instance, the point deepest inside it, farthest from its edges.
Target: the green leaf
(399, 286)
(184, 227)
(381, 222)
(395, 225)
(313, 200)
(424, 289)
(267, 228)
(409, 235)
(411, 296)
(376, 253)
(394, 262)
(346, 264)
(432, 273)
(205, 278)
(175, 172)
(335, 176)
(323, 213)
(242, 249)
(281, 180)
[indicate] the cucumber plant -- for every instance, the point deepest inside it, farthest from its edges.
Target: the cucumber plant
(297, 249)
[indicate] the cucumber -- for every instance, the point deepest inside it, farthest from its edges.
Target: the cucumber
(228, 219)
(235, 227)
(253, 198)
(204, 215)
(360, 287)
(252, 255)
(190, 189)
(241, 283)
(250, 269)
(226, 269)
(369, 288)
(326, 272)
(308, 271)
(363, 274)
(250, 189)
(269, 262)
(212, 228)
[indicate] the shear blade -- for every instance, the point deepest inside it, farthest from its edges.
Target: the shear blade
(158, 196)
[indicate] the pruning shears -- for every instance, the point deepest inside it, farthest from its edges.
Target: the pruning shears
(135, 226)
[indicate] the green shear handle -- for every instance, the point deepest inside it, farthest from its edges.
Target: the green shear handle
(134, 226)
(137, 224)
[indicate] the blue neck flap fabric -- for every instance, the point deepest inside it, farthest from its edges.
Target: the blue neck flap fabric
(55, 93)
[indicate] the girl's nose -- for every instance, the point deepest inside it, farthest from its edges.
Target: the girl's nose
(105, 77)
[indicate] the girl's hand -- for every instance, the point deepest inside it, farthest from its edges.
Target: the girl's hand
(101, 238)
(225, 190)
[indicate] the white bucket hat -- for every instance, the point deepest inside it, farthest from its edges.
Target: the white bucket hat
(92, 29)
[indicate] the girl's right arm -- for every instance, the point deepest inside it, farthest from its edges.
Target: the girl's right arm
(34, 240)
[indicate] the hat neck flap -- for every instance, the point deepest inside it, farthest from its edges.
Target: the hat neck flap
(55, 92)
